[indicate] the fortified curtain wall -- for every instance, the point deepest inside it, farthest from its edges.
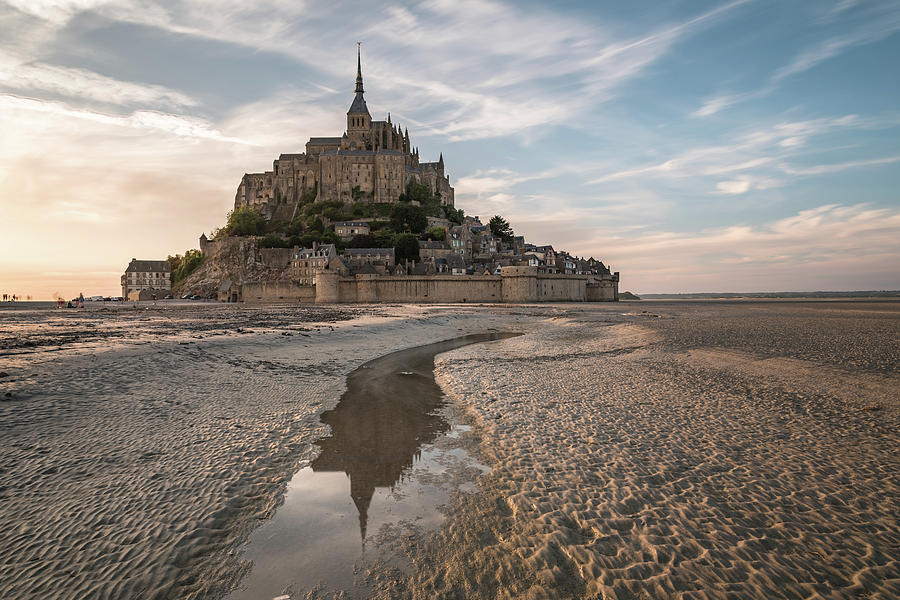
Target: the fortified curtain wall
(514, 285)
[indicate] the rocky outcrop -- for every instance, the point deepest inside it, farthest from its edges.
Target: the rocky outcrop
(240, 260)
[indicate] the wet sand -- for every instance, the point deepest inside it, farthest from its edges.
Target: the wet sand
(637, 450)
(138, 472)
(688, 450)
(391, 458)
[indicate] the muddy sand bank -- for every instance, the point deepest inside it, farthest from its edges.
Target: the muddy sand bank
(137, 472)
(692, 451)
(637, 450)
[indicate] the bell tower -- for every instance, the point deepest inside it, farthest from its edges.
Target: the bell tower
(359, 121)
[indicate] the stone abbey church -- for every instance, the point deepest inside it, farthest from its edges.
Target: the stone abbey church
(373, 161)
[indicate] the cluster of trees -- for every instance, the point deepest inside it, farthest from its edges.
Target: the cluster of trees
(394, 224)
(182, 266)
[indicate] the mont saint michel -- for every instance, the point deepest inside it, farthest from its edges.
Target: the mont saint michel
(524, 301)
(374, 160)
(359, 218)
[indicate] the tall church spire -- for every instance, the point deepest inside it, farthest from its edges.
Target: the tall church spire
(358, 107)
(359, 84)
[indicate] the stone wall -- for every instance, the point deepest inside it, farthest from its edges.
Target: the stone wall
(515, 284)
(280, 291)
(148, 294)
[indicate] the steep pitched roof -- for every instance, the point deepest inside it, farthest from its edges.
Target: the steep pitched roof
(369, 251)
(358, 107)
(148, 266)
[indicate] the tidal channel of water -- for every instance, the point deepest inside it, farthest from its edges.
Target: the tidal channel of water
(390, 460)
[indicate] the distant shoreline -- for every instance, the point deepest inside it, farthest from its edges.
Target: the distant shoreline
(772, 295)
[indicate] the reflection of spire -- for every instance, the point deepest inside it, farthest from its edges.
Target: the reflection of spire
(378, 428)
(362, 499)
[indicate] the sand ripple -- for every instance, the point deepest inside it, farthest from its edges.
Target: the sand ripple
(625, 468)
(137, 473)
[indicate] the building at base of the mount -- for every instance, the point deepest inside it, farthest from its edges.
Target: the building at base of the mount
(372, 161)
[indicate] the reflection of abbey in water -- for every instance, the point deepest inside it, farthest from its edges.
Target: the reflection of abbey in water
(377, 431)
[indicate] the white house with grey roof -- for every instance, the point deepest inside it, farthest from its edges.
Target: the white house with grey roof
(155, 275)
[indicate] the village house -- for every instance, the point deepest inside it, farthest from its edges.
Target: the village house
(306, 261)
(429, 249)
(347, 229)
(379, 258)
(565, 264)
(484, 245)
(154, 276)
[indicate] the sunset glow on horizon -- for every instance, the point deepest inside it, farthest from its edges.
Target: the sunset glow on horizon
(694, 147)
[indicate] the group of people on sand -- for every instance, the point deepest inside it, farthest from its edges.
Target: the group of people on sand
(10, 297)
(77, 303)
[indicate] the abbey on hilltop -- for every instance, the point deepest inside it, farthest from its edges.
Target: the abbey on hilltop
(373, 160)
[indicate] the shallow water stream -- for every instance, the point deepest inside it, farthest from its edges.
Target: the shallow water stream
(392, 459)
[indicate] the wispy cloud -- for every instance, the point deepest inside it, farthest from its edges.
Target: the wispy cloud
(837, 167)
(467, 41)
(884, 24)
(16, 74)
(837, 246)
(178, 125)
(883, 20)
(756, 158)
(54, 11)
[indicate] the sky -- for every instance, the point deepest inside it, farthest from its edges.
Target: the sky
(693, 146)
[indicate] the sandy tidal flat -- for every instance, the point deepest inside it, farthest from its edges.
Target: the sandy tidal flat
(637, 450)
(690, 450)
(137, 470)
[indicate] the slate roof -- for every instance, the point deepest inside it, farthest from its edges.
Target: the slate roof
(321, 250)
(351, 224)
(370, 251)
(148, 266)
(359, 105)
(455, 261)
(422, 268)
(335, 263)
(366, 269)
(325, 140)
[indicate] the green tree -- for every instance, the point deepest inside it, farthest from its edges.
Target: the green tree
(500, 228)
(295, 227)
(418, 192)
(274, 240)
(436, 233)
(406, 247)
(405, 217)
(315, 225)
(174, 262)
(454, 215)
(384, 239)
(363, 240)
(188, 264)
(244, 221)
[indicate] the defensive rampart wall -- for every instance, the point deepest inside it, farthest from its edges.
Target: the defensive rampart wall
(280, 291)
(514, 284)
